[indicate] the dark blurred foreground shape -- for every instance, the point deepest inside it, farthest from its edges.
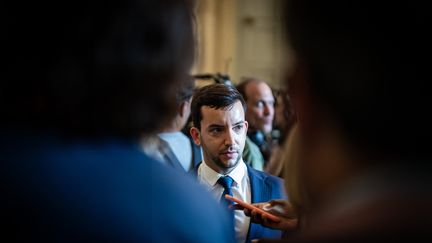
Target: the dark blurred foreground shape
(82, 82)
(360, 92)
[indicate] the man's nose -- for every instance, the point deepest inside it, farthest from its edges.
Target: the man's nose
(268, 109)
(229, 138)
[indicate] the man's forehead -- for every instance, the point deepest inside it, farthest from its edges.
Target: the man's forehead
(234, 113)
(259, 91)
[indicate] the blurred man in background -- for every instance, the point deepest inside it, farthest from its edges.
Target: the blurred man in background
(260, 113)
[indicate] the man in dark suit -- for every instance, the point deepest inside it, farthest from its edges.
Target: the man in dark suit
(218, 113)
(84, 80)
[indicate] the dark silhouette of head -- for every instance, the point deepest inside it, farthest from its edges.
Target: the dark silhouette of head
(365, 65)
(94, 68)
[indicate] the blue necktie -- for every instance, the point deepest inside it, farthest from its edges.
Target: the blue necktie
(226, 182)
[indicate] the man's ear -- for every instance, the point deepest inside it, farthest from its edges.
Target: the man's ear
(195, 134)
(246, 124)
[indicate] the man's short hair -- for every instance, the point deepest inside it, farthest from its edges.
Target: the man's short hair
(241, 87)
(217, 96)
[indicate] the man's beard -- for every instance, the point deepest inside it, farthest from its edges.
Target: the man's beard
(220, 164)
(217, 161)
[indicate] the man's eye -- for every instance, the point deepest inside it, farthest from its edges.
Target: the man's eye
(271, 103)
(215, 130)
(260, 104)
(238, 128)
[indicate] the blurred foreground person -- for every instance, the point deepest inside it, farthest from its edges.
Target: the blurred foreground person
(285, 119)
(360, 92)
(83, 81)
(171, 146)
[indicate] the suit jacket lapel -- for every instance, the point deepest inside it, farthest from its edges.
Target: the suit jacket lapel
(196, 154)
(259, 189)
(194, 171)
(170, 157)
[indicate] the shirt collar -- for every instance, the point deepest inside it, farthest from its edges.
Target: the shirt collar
(211, 177)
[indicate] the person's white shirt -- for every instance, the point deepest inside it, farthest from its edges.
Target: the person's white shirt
(241, 189)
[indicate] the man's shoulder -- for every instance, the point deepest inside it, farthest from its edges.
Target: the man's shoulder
(261, 175)
(266, 187)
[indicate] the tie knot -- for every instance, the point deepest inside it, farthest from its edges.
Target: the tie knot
(226, 182)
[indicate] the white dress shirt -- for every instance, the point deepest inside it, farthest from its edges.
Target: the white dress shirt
(241, 189)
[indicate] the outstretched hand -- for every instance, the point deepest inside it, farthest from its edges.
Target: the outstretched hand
(281, 208)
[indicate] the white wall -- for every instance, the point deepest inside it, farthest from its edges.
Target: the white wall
(242, 38)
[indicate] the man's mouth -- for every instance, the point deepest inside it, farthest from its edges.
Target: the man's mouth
(229, 154)
(267, 121)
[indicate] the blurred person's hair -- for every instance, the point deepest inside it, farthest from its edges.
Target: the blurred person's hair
(185, 91)
(94, 68)
(366, 64)
(245, 81)
(216, 96)
(289, 116)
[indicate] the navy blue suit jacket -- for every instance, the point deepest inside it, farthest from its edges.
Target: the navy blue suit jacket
(61, 190)
(264, 187)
